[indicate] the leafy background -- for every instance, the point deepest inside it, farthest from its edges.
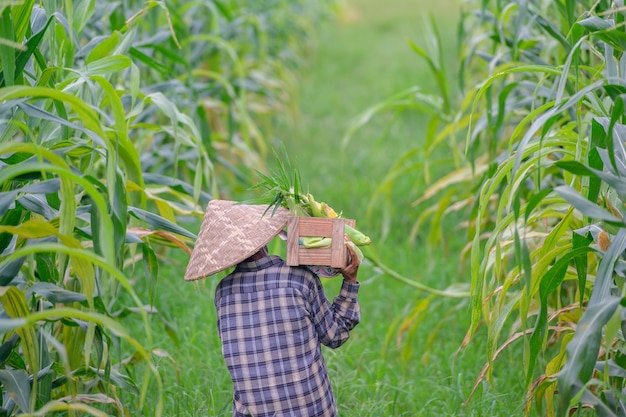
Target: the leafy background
(488, 174)
(120, 121)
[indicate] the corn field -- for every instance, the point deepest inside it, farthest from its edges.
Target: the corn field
(535, 126)
(117, 120)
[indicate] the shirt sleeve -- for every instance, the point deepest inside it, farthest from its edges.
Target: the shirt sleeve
(333, 322)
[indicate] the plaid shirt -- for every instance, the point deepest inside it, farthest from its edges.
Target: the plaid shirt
(271, 320)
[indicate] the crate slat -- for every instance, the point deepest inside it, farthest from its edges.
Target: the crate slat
(314, 256)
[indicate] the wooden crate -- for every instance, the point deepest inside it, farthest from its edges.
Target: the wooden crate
(335, 256)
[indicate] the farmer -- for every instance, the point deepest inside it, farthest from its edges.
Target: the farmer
(272, 318)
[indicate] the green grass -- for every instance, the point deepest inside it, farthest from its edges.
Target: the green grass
(359, 62)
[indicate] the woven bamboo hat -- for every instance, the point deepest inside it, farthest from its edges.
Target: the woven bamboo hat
(230, 233)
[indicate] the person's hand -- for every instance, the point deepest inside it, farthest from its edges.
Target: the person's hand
(349, 272)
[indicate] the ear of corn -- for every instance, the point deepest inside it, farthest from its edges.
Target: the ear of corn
(326, 242)
(328, 210)
(284, 190)
(358, 252)
(316, 242)
(322, 209)
(356, 236)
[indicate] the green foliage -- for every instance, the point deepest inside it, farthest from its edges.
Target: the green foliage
(540, 116)
(119, 119)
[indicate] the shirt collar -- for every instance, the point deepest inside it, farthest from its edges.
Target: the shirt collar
(259, 264)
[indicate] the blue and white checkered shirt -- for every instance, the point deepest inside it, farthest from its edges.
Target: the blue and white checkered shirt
(271, 321)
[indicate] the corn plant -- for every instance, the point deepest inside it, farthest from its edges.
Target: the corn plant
(117, 120)
(541, 110)
(539, 254)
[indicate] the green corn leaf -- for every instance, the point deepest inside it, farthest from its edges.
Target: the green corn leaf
(534, 201)
(615, 144)
(38, 205)
(10, 271)
(159, 223)
(581, 263)
(614, 369)
(556, 234)
(550, 27)
(614, 90)
(598, 139)
(120, 380)
(7, 325)
(551, 280)
(174, 183)
(611, 70)
(68, 180)
(151, 270)
(135, 82)
(120, 214)
(550, 115)
(55, 294)
(77, 408)
(21, 18)
(31, 229)
(15, 382)
(604, 276)
(586, 207)
(16, 306)
(82, 13)
(7, 51)
(495, 330)
(108, 65)
(437, 71)
(605, 30)
(582, 351)
(37, 112)
(86, 113)
(477, 284)
(46, 267)
(163, 69)
(92, 317)
(25, 54)
(10, 342)
(575, 167)
(572, 58)
(125, 148)
(88, 50)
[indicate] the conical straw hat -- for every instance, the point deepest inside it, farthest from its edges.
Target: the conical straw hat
(230, 233)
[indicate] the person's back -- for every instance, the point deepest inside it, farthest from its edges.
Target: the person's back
(272, 320)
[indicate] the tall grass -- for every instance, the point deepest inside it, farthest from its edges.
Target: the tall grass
(119, 119)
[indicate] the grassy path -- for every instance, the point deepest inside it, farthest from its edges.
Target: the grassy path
(360, 61)
(402, 359)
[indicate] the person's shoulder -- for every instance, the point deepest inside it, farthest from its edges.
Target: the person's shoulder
(295, 276)
(298, 274)
(224, 285)
(296, 269)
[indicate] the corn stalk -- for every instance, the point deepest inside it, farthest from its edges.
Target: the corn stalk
(117, 120)
(540, 118)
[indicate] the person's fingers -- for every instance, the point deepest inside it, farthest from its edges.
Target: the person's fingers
(354, 259)
(351, 269)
